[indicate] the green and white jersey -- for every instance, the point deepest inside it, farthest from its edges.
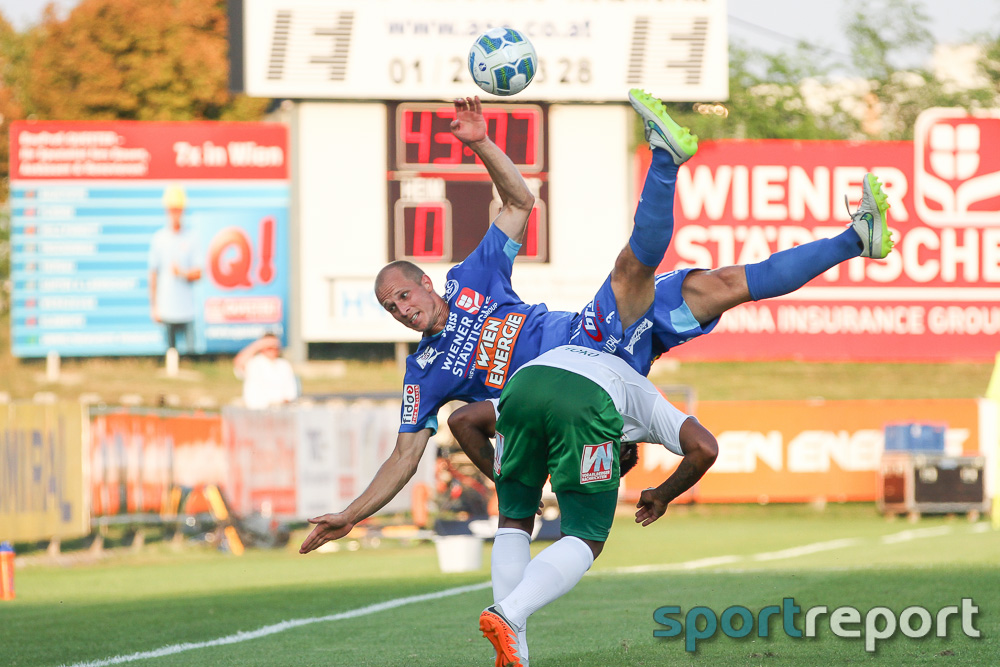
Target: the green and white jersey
(647, 415)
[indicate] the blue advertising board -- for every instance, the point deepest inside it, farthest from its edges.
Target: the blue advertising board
(88, 198)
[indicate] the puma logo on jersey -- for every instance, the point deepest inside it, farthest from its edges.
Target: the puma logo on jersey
(637, 334)
(496, 345)
(427, 357)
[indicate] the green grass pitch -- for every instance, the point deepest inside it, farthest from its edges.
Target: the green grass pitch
(718, 557)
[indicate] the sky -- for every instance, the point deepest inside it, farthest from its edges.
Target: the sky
(770, 25)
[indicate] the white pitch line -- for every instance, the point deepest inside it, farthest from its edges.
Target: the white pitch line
(907, 535)
(668, 567)
(281, 627)
(696, 564)
(806, 549)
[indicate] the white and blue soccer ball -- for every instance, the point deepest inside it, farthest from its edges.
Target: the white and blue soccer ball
(502, 61)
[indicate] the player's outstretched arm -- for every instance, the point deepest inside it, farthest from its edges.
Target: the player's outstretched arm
(473, 425)
(700, 451)
(469, 127)
(397, 470)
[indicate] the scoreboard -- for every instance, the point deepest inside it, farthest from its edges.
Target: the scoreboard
(418, 49)
(439, 191)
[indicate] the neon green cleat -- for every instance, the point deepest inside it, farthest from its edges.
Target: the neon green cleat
(869, 220)
(661, 130)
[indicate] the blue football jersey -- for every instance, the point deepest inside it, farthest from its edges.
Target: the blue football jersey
(489, 334)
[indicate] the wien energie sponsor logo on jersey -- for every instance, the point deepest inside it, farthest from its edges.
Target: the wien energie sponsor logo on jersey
(496, 347)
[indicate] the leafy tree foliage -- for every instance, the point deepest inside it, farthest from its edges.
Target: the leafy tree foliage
(806, 94)
(11, 72)
(135, 60)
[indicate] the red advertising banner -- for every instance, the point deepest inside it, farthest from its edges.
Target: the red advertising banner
(800, 451)
(935, 297)
(147, 150)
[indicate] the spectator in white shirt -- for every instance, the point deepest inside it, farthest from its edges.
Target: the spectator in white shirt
(268, 380)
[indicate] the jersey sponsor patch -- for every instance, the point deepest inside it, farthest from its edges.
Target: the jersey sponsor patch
(469, 300)
(589, 321)
(411, 403)
(596, 463)
(450, 288)
(496, 347)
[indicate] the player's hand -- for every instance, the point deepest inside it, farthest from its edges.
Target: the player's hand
(650, 507)
(469, 125)
(328, 527)
(155, 314)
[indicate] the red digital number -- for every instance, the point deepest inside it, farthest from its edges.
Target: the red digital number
(529, 135)
(455, 146)
(424, 215)
(421, 137)
(499, 119)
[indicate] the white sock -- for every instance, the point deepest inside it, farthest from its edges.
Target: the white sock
(511, 554)
(550, 575)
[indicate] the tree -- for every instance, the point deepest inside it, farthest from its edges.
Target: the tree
(878, 32)
(134, 60)
(11, 75)
(806, 94)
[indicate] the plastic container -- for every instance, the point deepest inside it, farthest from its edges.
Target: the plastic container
(459, 553)
(915, 437)
(6, 571)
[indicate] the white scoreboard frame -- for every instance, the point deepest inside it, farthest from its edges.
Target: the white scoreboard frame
(589, 50)
(339, 62)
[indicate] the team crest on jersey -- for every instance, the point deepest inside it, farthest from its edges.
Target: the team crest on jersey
(596, 463)
(411, 403)
(450, 288)
(427, 357)
(496, 347)
(469, 300)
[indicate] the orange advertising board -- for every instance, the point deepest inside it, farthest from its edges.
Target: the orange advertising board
(800, 451)
(137, 456)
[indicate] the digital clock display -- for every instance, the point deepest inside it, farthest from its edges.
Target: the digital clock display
(425, 142)
(441, 198)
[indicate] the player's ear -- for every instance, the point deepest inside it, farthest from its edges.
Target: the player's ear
(425, 282)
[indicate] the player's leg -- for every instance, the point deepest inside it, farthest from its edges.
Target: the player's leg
(708, 294)
(521, 453)
(509, 557)
(562, 410)
(586, 523)
(672, 145)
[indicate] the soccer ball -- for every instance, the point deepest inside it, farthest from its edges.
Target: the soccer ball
(502, 61)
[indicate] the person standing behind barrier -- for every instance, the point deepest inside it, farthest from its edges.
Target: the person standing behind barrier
(268, 380)
(174, 268)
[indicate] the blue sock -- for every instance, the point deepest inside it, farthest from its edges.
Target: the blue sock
(654, 215)
(788, 270)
